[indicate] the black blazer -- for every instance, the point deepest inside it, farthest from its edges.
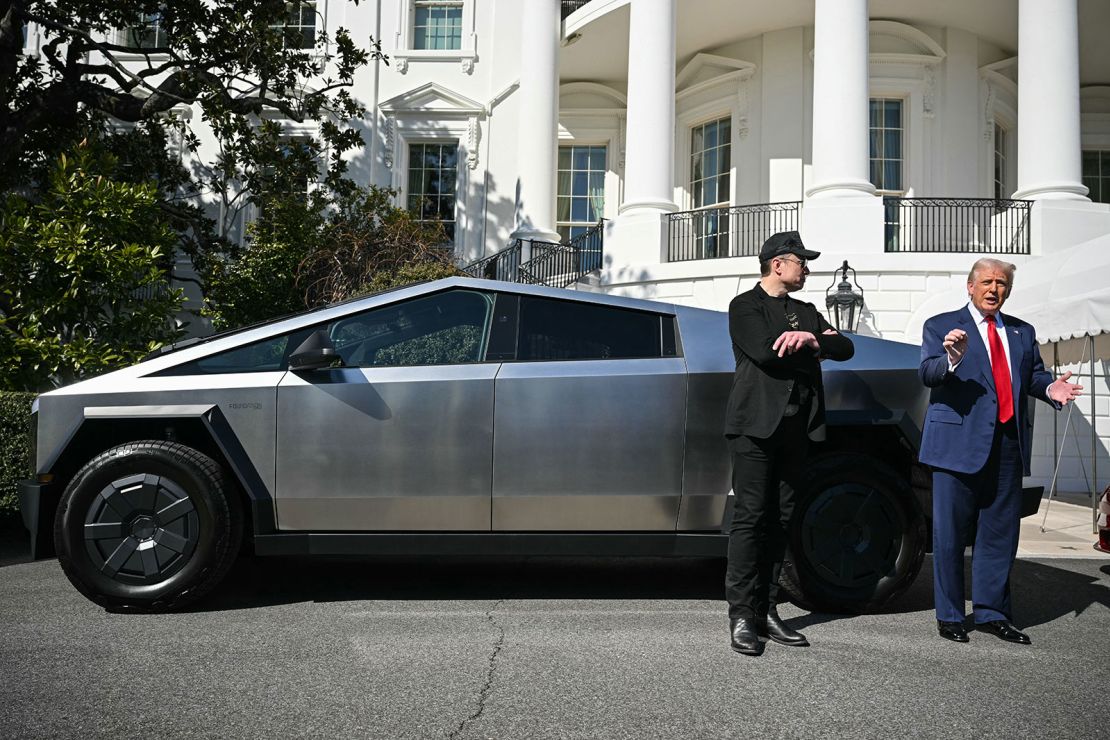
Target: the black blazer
(763, 381)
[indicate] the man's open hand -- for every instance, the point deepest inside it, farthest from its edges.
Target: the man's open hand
(1061, 391)
(790, 342)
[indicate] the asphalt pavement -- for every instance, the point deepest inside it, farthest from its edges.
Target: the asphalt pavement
(535, 648)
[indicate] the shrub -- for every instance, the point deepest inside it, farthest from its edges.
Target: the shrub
(15, 463)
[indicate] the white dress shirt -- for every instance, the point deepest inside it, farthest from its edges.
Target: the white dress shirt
(980, 323)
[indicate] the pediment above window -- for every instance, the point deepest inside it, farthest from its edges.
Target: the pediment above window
(900, 43)
(1002, 74)
(432, 98)
(705, 70)
(590, 96)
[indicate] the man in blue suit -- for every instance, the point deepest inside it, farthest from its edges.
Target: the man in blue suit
(982, 367)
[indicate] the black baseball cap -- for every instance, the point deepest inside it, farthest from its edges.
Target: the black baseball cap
(786, 242)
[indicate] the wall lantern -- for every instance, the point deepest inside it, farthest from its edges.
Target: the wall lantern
(844, 305)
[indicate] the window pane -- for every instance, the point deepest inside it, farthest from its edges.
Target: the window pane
(711, 136)
(892, 175)
(876, 113)
(597, 158)
(447, 328)
(563, 208)
(267, 355)
(578, 210)
(566, 330)
(893, 114)
(697, 171)
(892, 144)
(711, 192)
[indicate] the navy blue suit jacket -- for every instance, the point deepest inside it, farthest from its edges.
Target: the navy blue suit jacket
(963, 405)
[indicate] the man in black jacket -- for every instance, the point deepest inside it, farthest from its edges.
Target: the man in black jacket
(776, 406)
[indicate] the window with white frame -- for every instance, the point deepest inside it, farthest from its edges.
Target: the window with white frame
(886, 133)
(1001, 191)
(581, 190)
(1096, 175)
(147, 33)
(437, 25)
(433, 174)
(710, 185)
(299, 26)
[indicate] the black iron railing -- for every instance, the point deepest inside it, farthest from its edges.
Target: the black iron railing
(569, 6)
(501, 266)
(982, 225)
(559, 265)
(736, 231)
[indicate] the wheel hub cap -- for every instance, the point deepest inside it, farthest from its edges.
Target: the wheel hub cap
(851, 535)
(141, 529)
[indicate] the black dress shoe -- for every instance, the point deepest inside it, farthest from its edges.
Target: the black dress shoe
(1002, 629)
(953, 631)
(745, 637)
(777, 630)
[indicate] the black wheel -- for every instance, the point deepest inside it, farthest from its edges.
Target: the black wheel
(148, 526)
(858, 538)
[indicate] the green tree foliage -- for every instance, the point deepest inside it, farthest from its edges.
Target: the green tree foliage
(135, 60)
(85, 267)
(241, 67)
(345, 244)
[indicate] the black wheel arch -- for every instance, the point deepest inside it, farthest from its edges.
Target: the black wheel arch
(209, 434)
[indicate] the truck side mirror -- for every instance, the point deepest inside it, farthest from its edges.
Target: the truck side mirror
(314, 353)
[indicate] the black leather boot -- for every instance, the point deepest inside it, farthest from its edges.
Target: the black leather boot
(777, 630)
(745, 636)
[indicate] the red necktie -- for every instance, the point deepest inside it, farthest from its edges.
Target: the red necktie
(1000, 369)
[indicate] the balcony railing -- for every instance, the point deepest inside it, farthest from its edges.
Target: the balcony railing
(569, 6)
(982, 225)
(559, 265)
(736, 231)
(501, 266)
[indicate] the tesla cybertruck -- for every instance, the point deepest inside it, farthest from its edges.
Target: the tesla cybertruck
(460, 417)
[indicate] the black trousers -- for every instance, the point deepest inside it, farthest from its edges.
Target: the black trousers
(764, 476)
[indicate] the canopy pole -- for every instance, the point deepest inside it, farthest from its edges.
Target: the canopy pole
(1094, 444)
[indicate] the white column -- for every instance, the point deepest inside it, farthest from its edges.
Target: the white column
(1049, 157)
(538, 133)
(840, 95)
(649, 151)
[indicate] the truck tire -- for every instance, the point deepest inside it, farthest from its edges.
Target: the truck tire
(148, 526)
(858, 537)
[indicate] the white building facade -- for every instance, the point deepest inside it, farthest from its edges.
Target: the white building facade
(906, 138)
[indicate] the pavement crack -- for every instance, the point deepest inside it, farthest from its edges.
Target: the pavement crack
(483, 695)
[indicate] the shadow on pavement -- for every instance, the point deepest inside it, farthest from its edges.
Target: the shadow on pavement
(1042, 593)
(255, 582)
